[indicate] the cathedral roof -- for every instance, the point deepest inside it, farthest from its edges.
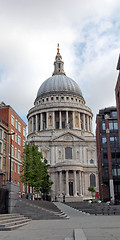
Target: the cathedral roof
(59, 82)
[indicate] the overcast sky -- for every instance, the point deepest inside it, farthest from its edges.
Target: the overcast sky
(88, 32)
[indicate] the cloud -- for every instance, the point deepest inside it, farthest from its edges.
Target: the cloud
(88, 33)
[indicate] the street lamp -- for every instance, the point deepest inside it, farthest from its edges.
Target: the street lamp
(13, 133)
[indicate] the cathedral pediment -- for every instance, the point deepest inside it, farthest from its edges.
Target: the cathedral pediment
(68, 136)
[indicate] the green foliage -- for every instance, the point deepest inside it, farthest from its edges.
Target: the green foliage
(34, 170)
(92, 190)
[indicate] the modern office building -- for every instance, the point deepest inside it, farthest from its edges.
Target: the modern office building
(61, 125)
(117, 95)
(15, 125)
(108, 154)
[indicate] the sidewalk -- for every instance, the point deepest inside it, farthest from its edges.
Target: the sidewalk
(94, 227)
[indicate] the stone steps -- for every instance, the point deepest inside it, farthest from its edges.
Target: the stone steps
(34, 211)
(12, 221)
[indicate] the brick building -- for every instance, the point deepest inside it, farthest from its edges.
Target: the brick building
(108, 153)
(14, 125)
(4, 154)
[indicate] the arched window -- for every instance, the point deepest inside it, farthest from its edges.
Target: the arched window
(68, 153)
(92, 180)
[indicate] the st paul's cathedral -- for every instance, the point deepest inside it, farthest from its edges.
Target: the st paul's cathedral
(61, 125)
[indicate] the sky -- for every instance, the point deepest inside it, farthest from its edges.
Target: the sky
(88, 32)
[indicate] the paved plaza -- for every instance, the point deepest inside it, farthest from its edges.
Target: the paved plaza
(95, 227)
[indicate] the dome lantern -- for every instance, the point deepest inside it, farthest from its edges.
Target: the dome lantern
(58, 64)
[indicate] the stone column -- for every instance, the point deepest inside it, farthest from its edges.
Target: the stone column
(56, 184)
(87, 123)
(79, 121)
(80, 184)
(83, 183)
(66, 118)
(41, 121)
(52, 155)
(36, 123)
(47, 120)
(33, 124)
(67, 184)
(73, 120)
(75, 184)
(53, 115)
(60, 120)
(60, 182)
(83, 121)
(90, 124)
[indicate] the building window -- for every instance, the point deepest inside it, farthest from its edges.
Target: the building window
(4, 161)
(91, 161)
(18, 169)
(5, 135)
(115, 125)
(12, 120)
(24, 132)
(12, 136)
(68, 153)
(111, 139)
(111, 125)
(114, 114)
(23, 143)
(11, 165)
(114, 172)
(23, 187)
(105, 155)
(15, 152)
(1, 133)
(16, 137)
(12, 151)
(19, 140)
(19, 127)
(103, 126)
(104, 140)
(15, 167)
(18, 154)
(4, 146)
(0, 147)
(16, 123)
(92, 180)
(18, 184)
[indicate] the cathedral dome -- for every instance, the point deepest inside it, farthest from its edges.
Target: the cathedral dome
(59, 83)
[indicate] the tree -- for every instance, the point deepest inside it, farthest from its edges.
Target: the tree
(35, 170)
(92, 190)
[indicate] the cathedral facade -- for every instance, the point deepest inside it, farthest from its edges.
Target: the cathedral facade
(61, 125)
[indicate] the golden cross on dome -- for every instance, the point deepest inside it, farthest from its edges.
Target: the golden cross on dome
(58, 48)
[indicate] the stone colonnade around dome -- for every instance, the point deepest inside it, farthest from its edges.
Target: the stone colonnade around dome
(59, 120)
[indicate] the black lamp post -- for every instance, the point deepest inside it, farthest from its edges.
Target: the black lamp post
(13, 133)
